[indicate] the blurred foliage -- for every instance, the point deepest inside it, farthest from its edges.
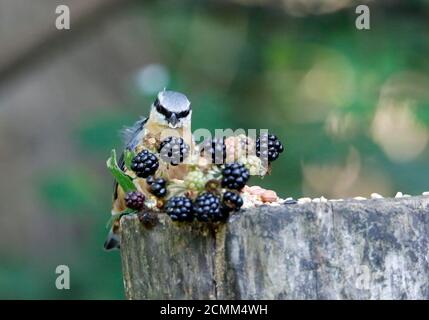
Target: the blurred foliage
(72, 192)
(315, 81)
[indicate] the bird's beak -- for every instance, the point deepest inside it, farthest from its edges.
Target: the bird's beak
(172, 120)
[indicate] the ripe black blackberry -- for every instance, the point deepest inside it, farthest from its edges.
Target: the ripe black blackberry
(214, 150)
(148, 218)
(207, 207)
(158, 187)
(173, 150)
(224, 213)
(150, 180)
(269, 147)
(179, 209)
(134, 200)
(235, 176)
(232, 200)
(144, 164)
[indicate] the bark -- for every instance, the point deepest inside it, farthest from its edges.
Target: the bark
(373, 249)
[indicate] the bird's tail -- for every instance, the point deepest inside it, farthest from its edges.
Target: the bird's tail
(113, 240)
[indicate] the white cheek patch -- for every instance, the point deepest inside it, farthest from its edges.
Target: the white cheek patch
(159, 118)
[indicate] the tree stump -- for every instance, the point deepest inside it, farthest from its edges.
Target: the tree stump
(371, 249)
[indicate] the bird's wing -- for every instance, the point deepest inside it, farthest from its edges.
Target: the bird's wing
(130, 136)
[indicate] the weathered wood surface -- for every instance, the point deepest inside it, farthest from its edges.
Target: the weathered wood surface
(373, 249)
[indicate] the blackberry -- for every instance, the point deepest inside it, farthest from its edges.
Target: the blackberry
(148, 219)
(214, 149)
(158, 187)
(235, 176)
(207, 207)
(144, 164)
(232, 200)
(134, 200)
(179, 209)
(173, 150)
(225, 211)
(268, 146)
(150, 180)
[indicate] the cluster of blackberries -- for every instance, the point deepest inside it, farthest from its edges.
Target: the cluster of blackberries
(173, 150)
(158, 187)
(268, 147)
(207, 207)
(144, 164)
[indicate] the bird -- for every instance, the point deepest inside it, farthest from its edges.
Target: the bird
(170, 115)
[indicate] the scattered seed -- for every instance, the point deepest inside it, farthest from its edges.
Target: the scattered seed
(376, 196)
(304, 200)
(273, 204)
(256, 190)
(269, 196)
(258, 203)
(246, 188)
(399, 195)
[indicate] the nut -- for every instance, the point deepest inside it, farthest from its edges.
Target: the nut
(257, 191)
(269, 196)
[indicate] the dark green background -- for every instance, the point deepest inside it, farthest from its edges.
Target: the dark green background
(321, 85)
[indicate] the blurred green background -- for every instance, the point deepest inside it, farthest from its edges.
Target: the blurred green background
(352, 108)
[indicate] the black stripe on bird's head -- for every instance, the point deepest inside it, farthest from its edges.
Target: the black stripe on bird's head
(173, 106)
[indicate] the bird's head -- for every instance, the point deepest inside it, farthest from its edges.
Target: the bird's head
(171, 109)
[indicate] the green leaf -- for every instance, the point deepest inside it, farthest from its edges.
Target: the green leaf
(115, 217)
(123, 180)
(128, 158)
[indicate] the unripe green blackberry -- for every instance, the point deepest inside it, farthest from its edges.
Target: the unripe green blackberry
(134, 200)
(268, 147)
(179, 209)
(173, 150)
(234, 176)
(195, 180)
(232, 200)
(254, 165)
(214, 150)
(144, 164)
(158, 187)
(207, 207)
